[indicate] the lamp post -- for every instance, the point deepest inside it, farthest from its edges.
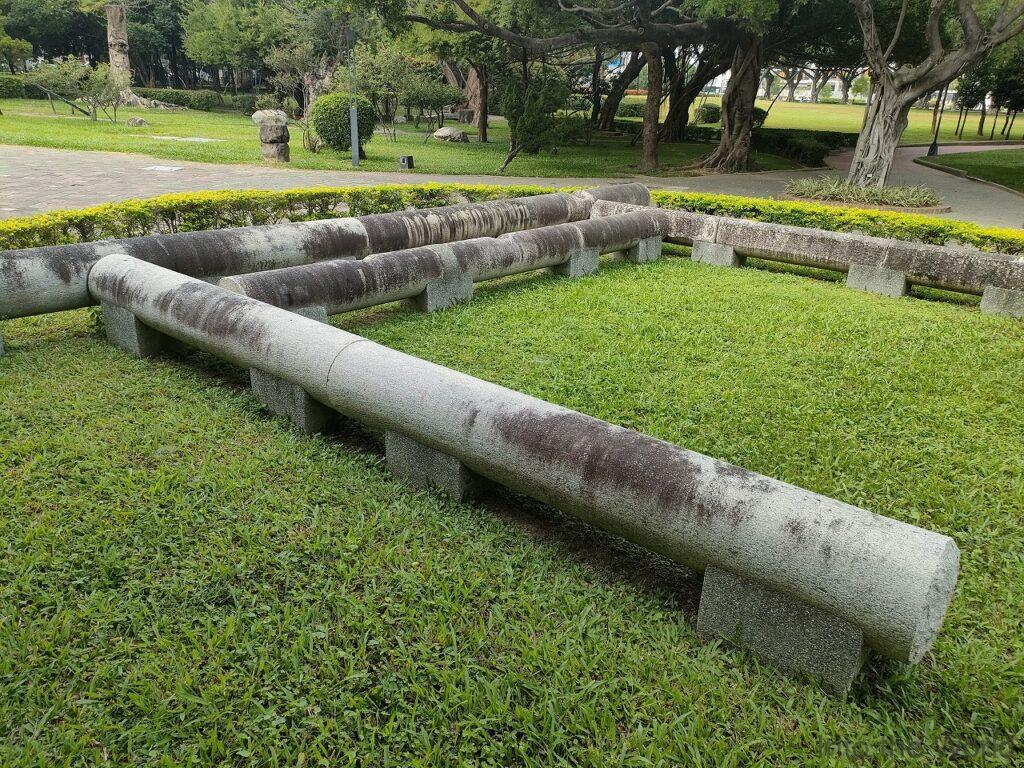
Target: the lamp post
(353, 110)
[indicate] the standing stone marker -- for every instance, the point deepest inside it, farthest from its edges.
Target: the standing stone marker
(274, 134)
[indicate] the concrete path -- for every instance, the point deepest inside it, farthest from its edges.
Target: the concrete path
(34, 180)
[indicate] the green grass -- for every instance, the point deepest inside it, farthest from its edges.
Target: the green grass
(185, 581)
(847, 118)
(30, 122)
(834, 188)
(1003, 166)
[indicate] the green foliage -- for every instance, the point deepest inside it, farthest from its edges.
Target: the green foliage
(200, 99)
(14, 51)
(12, 87)
(901, 226)
(193, 211)
(834, 188)
(759, 116)
(329, 118)
(708, 113)
(530, 108)
(235, 33)
(631, 109)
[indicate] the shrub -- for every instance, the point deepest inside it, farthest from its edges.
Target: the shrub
(630, 109)
(200, 99)
(834, 188)
(193, 211)
(245, 103)
(329, 119)
(11, 87)
(268, 101)
(708, 114)
(759, 116)
(901, 226)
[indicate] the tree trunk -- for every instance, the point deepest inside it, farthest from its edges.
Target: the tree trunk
(847, 83)
(652, 111)
(117, 39)
(685, 92)
(595, 87)
(981, 121)
(611, 104)
(733, 152)
(793, 77)
(484, 106)
(769, 81)
(476, 98)
(884, 124)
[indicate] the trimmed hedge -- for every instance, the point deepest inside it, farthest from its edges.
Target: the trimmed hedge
(631, 109)
(329, 119)
(215, 210)
(200, 99)
(11, 87)
(192, 211)
(901, 226)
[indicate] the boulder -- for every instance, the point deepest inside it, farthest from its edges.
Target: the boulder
(270, 117)
(137, 122)
(272, 133)
(451, 134)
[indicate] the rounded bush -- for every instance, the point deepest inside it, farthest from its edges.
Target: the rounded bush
(759, 116)
(631, 109)
(330, 121)
(708, 114)
(11, 87)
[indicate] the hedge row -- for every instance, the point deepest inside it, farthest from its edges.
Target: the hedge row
(901, 226)
(11, 87)
(192, 211)
(214, 210)
(804, 146)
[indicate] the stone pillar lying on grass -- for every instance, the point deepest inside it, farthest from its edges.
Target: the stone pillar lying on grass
(437, 277)
(448, 271)
(36, 281)
(801, 579)
(880, 265)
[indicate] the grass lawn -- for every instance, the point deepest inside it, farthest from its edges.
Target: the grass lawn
(186, 581)
(31, 122)
(847, 118)
(1003, 166)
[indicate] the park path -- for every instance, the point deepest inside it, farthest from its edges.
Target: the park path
(34, 180)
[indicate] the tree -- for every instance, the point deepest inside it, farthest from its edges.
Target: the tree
(529, 106)
(13, 50)
(956, 39)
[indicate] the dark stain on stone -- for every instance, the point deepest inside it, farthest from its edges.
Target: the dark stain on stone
(607, 456)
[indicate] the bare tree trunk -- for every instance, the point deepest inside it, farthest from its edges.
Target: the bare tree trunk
(981, 121)
(685, 92)
(733, 152)
(595, 86)
(618, 90)
(652, 111)
(476, 98)
(769, 81)
(117, 39)
(884, 124)
(793, 76)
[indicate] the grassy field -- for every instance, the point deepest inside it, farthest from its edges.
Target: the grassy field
(847, 118)
(1003, 166)
(185, 581)
(31, 122)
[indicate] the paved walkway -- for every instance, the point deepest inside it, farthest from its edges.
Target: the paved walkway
(34, 180)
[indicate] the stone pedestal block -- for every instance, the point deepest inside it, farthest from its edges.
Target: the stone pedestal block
(421, 466)
(124, 330)
(880, 280)
(445, 292)
(581, 263)
(1002, 301)
(716, 254)
(648, 249)
(272, 133)
(282, 398)
(791, 635)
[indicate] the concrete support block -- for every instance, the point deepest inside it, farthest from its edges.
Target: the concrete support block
(580, 264)
(282, 398)
(715, 253)
(445, 292)
(788, 634)
(648, 249)
(421, 466)
(999, 301)
(126, 331)
(880, 280)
